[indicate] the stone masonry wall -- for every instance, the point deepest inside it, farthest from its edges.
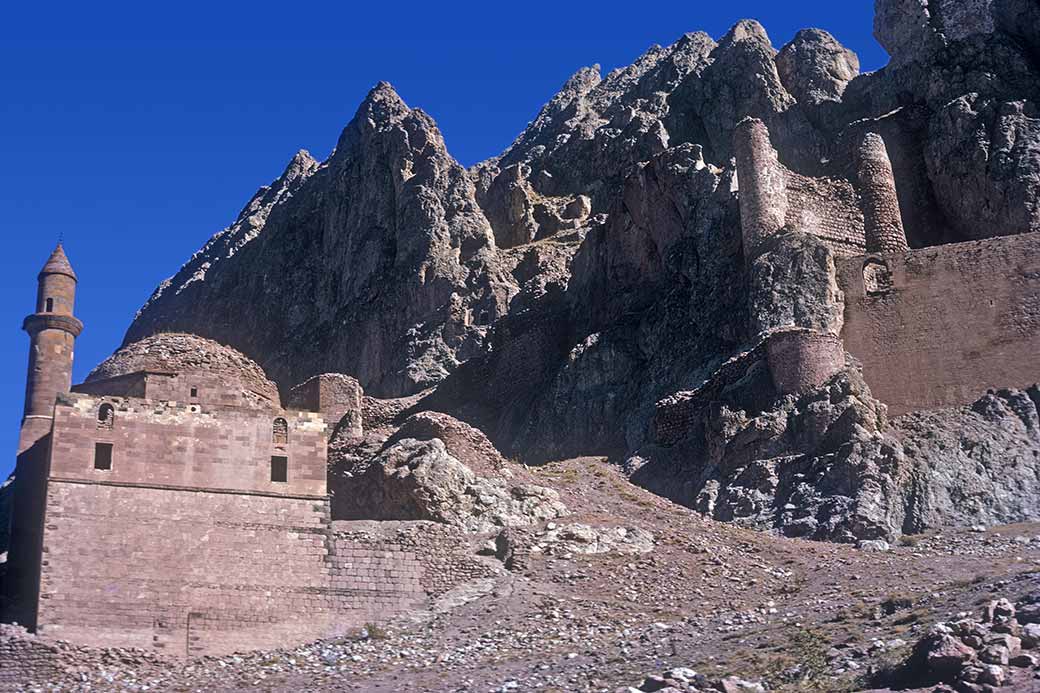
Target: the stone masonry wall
(188, 446)
(432, 558)
(939, 326)
(214, 389)
(772, 196)
(184, 572)
(336, 397)
(191, 573)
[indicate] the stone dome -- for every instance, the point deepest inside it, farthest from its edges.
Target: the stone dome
(188, 353)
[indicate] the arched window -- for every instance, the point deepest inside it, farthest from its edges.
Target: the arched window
(877, 278)
(106, 417)
(281, 432)
(50, 305)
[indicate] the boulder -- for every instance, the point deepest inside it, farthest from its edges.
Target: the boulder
(419, 480)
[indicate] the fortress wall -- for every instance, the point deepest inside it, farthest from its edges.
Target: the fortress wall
(762, 182)
(885, 233)
(939, 326)
(676, 415)
(183, 571)
(828, 208)
(188, 446)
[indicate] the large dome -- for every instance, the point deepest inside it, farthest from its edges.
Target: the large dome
(187, 353)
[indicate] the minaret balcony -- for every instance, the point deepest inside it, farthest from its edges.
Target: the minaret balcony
(37, 322)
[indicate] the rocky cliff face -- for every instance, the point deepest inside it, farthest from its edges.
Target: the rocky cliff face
(556, 293)
(377, 262)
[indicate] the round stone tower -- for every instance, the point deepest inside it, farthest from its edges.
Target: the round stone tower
(762, 184)
(52, 333)
(884, 223)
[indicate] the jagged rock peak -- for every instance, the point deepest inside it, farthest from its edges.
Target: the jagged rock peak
(583, 81)
(746, 30)
(300, 166)
(815, 67)
(382, 105)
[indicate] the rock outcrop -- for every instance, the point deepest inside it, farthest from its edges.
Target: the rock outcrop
(829, 465)
(418, 480)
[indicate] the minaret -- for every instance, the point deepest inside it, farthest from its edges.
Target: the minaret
(52, 335)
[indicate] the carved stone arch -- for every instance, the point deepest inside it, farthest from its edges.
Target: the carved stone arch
(106, 418)
(280, 432)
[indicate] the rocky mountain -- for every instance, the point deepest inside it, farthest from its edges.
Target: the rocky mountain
(553, 296)
(377, 262)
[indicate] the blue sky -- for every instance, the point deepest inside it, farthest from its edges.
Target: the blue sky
(139, 130)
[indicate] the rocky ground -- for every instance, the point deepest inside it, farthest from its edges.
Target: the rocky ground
(709, 598)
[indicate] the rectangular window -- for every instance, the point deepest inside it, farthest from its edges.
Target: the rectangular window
(279, 469)
(194, 392)
(50, 305)
(103, 456)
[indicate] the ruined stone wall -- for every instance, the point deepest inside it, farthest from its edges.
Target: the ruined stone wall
(939, 326)
(335, 396)
(828, 208)
(430, 558)
(802, 360)
(189, 445)
(676, 415)
(772, 197)
(884, 222)
(26, 660)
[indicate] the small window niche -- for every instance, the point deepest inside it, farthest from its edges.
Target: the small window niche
(280, 432)
(877, 278)
(194, 393)
(103, 457)
(106, 418)
(50, 305)
(279, 469)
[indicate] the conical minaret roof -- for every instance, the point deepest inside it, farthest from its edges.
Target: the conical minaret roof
(59, 264)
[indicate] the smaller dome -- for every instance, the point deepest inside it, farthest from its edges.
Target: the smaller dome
(188, 353)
